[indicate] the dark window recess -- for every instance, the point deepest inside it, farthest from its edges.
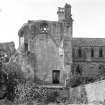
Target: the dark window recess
(26, 46)
(56, 76)
(100, 52)
(44, 28)
(92, 52)
(78, 70)
(79, 52)
(73, 52)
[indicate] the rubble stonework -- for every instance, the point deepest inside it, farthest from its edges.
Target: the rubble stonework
(75, 61)
(56, 49)
(50, 58)
(50, 41)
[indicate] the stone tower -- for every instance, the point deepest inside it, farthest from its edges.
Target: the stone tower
(50, 41)
(65, 17)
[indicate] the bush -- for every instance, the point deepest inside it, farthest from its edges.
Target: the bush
(14, 75)
(29, 91)
(52, 96)
(24, 92)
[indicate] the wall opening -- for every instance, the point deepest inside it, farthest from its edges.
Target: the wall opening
(92, 52)
(80, 52)
(56, 76)
(100, 52)
(78, 70)
(26, 47)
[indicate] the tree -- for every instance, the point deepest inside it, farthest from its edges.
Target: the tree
(14, 75)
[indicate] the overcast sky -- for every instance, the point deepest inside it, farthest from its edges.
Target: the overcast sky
(88, 15)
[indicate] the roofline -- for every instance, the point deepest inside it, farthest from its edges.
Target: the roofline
(86, 38)
(29, 21)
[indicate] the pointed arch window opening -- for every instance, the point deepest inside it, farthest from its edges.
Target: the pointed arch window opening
(78, 70)
(80, 52)
(92, 52)
(26, 47)
(100, 52)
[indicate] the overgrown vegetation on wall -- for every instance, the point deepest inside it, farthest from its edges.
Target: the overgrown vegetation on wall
(19, 90)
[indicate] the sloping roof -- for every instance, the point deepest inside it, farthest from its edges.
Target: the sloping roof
(88, 42)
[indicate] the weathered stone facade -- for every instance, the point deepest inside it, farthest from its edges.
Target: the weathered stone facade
(58, 55)
(49, 55)
(88, 55)
(50, 41)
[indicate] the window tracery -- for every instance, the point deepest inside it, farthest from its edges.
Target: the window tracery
(44, 28)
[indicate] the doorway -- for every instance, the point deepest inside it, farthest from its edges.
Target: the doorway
(56, 76)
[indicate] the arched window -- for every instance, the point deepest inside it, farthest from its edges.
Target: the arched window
(80, 52)
(44, 28)
(92, 52)
(26, 47)
(78, 70)
(100, 52)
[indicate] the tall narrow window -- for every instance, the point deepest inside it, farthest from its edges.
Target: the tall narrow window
(79, 52)
(78, 70)
(100, 52)
(73, 52)
(92, 52)
(26, 47)
(56, 76)
(21, 38)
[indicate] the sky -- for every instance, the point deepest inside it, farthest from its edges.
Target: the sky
(88, 16)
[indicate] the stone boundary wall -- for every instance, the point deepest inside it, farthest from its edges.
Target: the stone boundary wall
(96, 91)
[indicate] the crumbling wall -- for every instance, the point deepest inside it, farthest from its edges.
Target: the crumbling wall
(27, 63)
(89, 93)
(96, 91)
(47, 57)
(78, 95)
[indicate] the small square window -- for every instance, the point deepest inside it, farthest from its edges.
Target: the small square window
(80, 52)
(100, 52)
(92, 52)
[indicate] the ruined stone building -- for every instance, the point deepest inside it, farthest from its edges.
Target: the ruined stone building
(58, 54)
(50, 41)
